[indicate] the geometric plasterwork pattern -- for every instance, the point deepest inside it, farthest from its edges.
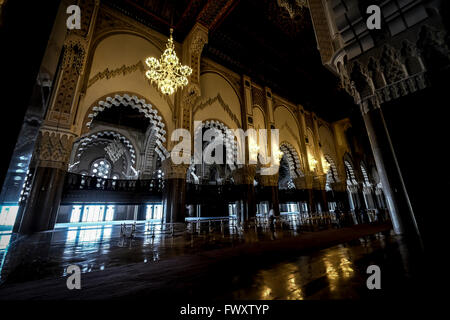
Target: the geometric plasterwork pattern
(292, 158)
(53, 149)
(228, 138)
(122, 71)
(143, 107)
(320, 22)
(87, 141)
(75, 50)
(125, 70)
(396, 70)
(222, 103)
(192, 50)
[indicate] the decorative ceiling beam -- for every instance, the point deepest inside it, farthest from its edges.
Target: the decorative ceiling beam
(223, 15)
(215, 11)
(151, 14)
(185, 13)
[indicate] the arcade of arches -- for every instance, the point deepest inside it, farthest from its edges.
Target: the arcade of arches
(100, 149)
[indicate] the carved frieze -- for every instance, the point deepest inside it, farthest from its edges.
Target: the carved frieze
(54, 148)
(174, 171)
(122, 71)
(245, 174)
(222, 103)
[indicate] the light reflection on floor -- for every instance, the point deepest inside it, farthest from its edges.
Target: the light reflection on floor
(96, 246)
(338, 272)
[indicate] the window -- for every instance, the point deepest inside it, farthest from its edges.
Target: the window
(154, 212)
(232, 209)
(109, 213)
(101, 168)
(92, 213)
(8, 215)
(76, 213)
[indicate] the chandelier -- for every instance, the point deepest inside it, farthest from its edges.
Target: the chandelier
(292, 6)
(115, 150)
(167, 72)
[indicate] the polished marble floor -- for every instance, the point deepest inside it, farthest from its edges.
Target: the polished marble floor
(254, 263)
(96, 246)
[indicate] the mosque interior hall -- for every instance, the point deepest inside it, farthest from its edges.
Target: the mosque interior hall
(152, 144)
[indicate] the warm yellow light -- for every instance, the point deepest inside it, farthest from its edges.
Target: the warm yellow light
(325, 165)
(279, 154)
(254, 148)
(312, 162)
(167, 72)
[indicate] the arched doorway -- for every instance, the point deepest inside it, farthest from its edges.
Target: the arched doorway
(289, 172)
(124, 139)
(211, 177)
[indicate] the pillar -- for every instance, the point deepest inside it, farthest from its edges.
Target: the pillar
(400, 210)
(270, 183)
(323, 193)
(39, 211)
(340, 191)
(54, 143)
(174, 195)
(244, 178)
(306, 183)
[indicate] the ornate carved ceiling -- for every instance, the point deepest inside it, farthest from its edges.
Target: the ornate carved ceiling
(257, 38)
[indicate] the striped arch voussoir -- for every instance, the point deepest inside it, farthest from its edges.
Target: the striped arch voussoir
(142, 106)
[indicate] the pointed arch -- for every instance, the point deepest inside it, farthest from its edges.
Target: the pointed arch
(295, 165)
(228, 137)
(332, 174)
(135, 102)
(365, 175)
(349, 171)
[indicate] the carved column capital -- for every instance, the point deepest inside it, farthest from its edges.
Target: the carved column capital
(339, 186)
(300, 182)
(369, 104)
(54, 148)
(321, 181)
(269, 180)
(174, 171)
(309, 180)
(244, 175)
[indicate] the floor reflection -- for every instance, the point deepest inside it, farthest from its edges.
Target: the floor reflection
(97, 246)
(338, 272)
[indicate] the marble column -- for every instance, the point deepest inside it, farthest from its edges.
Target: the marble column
(39, 211)
(323, 194)
(174, 195)
(398, 203)
(340, 192)
(244, 177)
(41, 208)
(305, 182)
(270, 182)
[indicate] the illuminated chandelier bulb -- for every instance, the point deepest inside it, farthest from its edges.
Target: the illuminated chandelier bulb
(167, 72)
